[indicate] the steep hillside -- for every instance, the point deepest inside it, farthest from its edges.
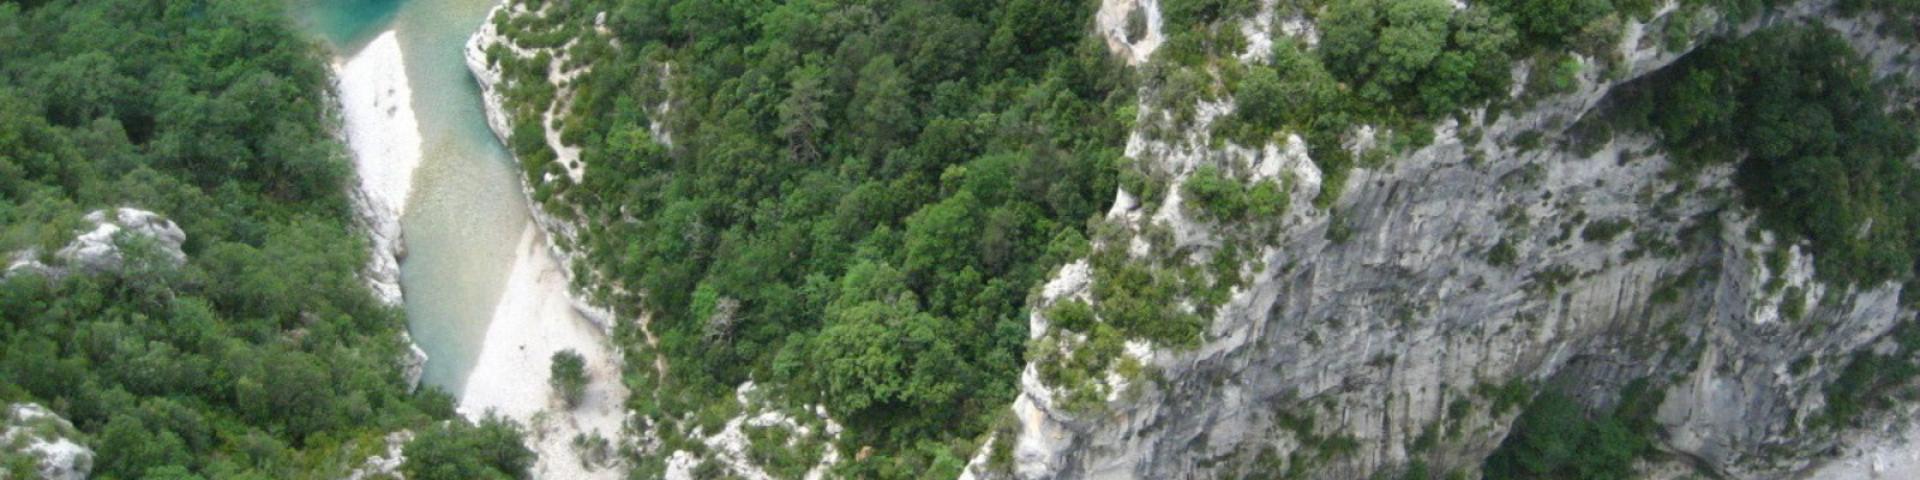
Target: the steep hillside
(183, 294)
(1341, 238)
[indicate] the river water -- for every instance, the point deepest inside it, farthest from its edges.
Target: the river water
(466, 214)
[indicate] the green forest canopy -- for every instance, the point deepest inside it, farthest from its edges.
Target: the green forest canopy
(871, 188)
(265, 355)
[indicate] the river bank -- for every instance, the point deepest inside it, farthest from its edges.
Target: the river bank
(483, 289)
(535, 319)
(383, 137)
(537, 316)
(376, 106)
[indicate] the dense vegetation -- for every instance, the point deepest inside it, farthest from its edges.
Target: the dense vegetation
(457, 450)
(1819, 154)
(857, 199)
(264, 356)
(1556, 438)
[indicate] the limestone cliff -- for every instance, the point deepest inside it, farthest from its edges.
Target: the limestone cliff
(1383, 318)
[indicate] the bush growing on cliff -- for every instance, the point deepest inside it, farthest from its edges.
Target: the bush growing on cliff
(1220, 197)
(1819, 155)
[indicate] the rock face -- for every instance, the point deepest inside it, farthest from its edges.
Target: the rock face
(413, 364)
(33, 432)
(380, 130)
(102, 249)
(1383, 319)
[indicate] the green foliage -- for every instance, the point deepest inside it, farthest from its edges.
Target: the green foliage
(1215, 194)
(264, 355)
(1423, 52)
(876, 184)
(1556, 74)
(1554, 438)
(1901, 12)
(1136, 24)
(771, 450)
(1070, 314)
(1605, 230)
(1142, 301)
(1294, 91)
(879, 350)
(1502, 254)
(1552, 23)
(1870, 380)
(1392, 64)
(568, 375)
(1819, 155)
(457, 450)
(1189, 13)
(1222, 198)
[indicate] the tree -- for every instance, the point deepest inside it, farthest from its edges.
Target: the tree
(1474, 66)
(457, 450)
(803, 113)
(881, 112)
(1413, 36)
(1555, 438)
(1191, 13)
(568, 376)
(941, 238)
(879, 349)
(1551, 23)
(1819, 156)
(1261, 98)
(1385, 49)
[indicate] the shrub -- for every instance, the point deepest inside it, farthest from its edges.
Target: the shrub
(568, 376)
(1215, 195)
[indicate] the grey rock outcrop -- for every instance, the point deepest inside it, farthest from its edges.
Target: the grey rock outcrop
(103, 248)
(413, 363)
(100, 249)
(382, 224)
(1382, 320)
(33, 432)
(25, 262)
